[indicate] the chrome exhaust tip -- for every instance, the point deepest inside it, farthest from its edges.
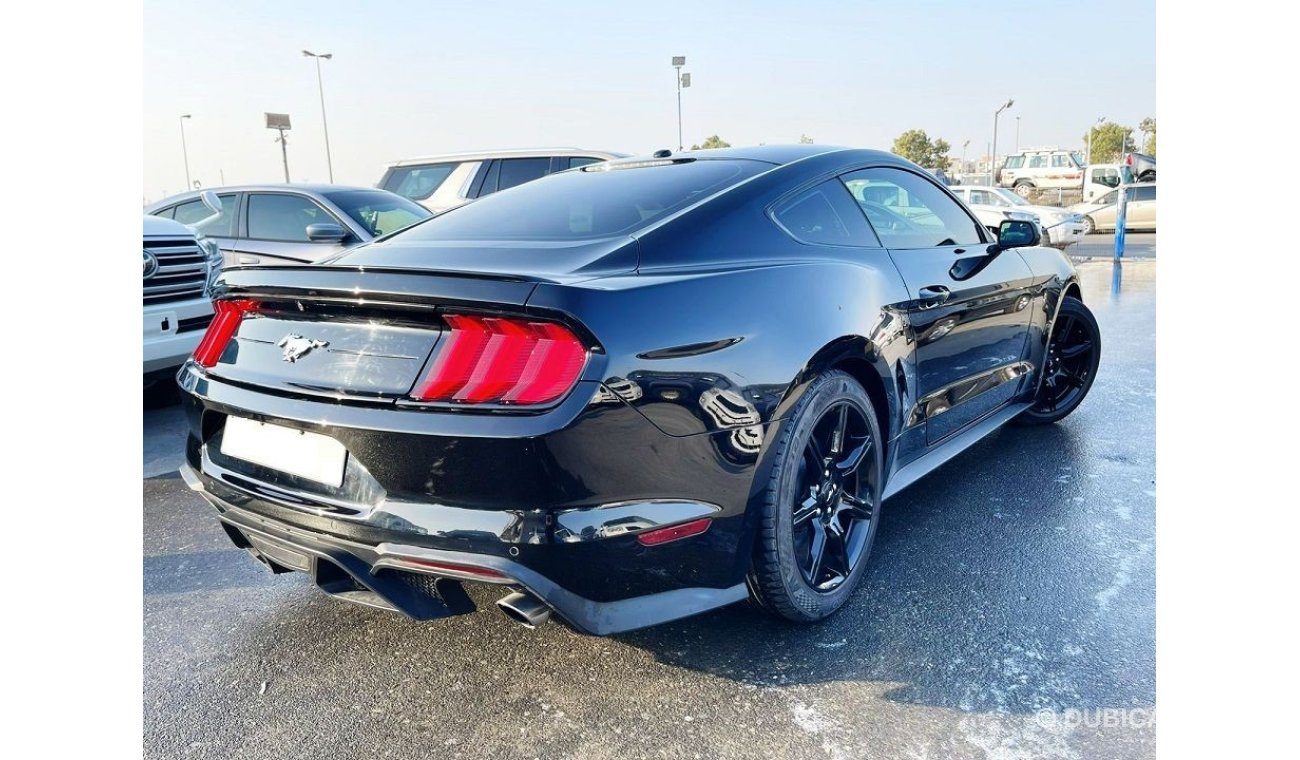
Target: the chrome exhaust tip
(524, 608)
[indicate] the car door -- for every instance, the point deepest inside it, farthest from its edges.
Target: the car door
(274, 228)
(969, 311)
(1141, 211)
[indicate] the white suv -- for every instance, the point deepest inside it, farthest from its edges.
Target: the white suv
(178, 270)
(442, 182)
(1041, 168)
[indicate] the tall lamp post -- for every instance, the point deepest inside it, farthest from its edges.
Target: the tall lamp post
(963, 156)
(993, 156)
(321, 87)
(185, 152)
(1017, 134)
(1092, 132)
(683, 80)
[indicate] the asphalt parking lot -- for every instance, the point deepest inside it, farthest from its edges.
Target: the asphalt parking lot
(1009, 612)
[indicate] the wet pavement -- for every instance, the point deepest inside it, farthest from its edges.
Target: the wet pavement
(1008, 612)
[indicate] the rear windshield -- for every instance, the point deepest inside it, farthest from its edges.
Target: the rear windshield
(379, 212)
(595, 201)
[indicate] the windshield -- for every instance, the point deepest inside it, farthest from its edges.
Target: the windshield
(1010, 197)
(1078, 159)
(377, 211)
(595, 201)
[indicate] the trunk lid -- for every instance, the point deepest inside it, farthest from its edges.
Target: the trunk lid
(345, 331)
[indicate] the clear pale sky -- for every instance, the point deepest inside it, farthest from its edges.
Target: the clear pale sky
(417, 78)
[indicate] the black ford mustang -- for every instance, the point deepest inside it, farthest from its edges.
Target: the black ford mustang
(629, 392)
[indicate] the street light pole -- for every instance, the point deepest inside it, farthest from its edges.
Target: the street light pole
(1017, 134)
(678, 62)
(1092, 132)
(993, 158)
(185, 152)
(329, 161)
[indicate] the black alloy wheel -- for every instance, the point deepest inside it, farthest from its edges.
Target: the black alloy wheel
(822, 504)
(833, 520)
(1070, 366)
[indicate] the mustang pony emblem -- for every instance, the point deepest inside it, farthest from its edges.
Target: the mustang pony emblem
(296, 346)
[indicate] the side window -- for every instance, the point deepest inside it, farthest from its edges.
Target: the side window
(193, 212)
(1038, 162)
(576, 161)
(418, 182)
(517, 171)
(1140, 193)
(825, 215)
(1061, 161)
(982, 198)
(1108, 198)
(283, 217)
(167, 213)
(1015, 162)
(909, 211)
(490, 175)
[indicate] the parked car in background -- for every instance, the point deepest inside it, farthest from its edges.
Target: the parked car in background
(1040, 168)
(1140, 214)
(670, 448)
(178, 270)
(292, 224)
(1061, 227)
(442, 182)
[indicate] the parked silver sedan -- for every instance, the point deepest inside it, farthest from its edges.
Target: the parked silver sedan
(291, 223)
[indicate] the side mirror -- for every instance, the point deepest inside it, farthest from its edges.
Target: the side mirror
(326, 232)
(211, 200)
(1017, 234)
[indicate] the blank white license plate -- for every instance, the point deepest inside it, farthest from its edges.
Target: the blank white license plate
(307, 455)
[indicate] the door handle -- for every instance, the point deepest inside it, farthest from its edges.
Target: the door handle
(932, 296)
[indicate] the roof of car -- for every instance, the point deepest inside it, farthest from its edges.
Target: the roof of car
(310, 188)
(773, 154)
(483, 155)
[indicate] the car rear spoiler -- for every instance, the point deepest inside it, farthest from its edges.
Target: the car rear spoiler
(417, 288)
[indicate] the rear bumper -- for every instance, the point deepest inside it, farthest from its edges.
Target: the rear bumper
(552, 503)
(425, 583)
(172, 330)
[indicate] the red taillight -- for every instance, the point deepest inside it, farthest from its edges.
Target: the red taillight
(504, 360)
(674, 532)
(224, 323)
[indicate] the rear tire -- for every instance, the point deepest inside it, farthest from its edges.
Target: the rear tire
(822, 503)
(1024, 188)
(1073, 355)
(1089, 225)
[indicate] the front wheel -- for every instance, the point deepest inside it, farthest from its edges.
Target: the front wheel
(822, 503)
(1089, 226)
(1070, 366)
